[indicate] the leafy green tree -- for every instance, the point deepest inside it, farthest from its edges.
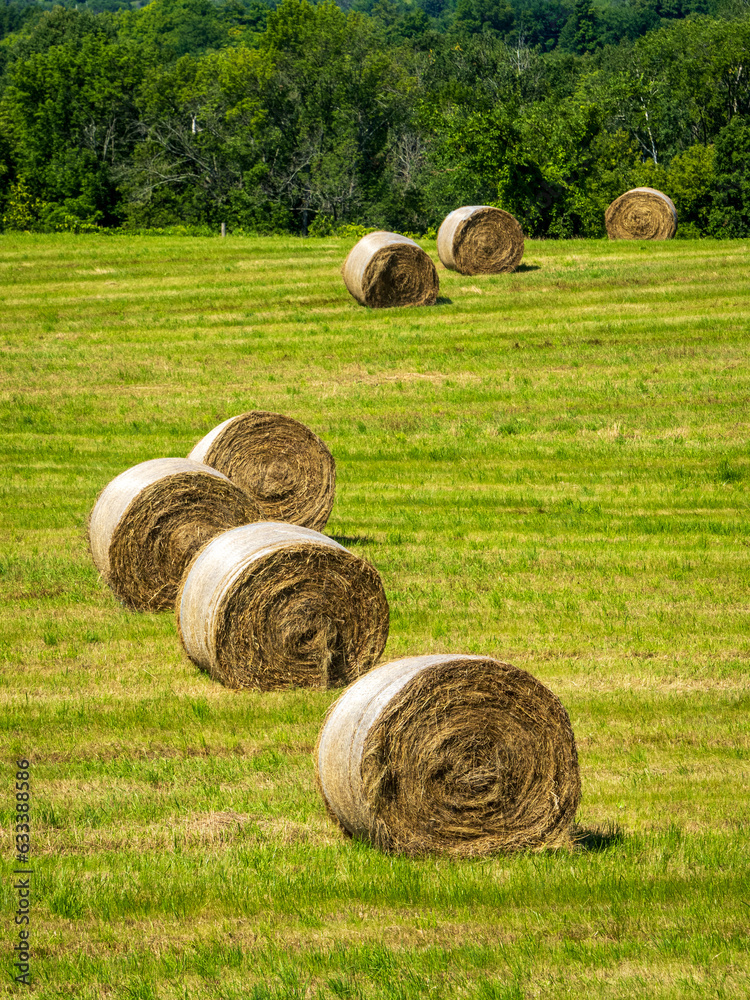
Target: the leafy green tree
(413, 25)
(59, 26)
(68, 114)
(173, 28)
(702, 65)
(337, 96)
(540, 22)
(473, 16)
(581, 33)
(23, 212)
(14, 14)
(689, 183)
(251, 14)
(634, 18)
(434, 8)
(199, 158)
(481, 159)
(730, 211)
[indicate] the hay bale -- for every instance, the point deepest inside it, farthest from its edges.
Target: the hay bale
(149, 522)
(279, 462)
(479, 239)
(458, 754)
(641, 214)
(387, 269)
(273, 606)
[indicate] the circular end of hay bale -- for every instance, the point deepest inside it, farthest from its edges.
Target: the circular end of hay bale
(456, 754)
(272, 606)
(479, 239)
(387, 269)
(641, 214)
(278, 462)
(149, 522)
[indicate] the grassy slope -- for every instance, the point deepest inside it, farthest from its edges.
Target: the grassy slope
(551, 467)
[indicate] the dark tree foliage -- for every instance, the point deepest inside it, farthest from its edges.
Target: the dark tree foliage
(14, 14)
(730, 212)
(304, 116)
(494, 16)
(634, 18)
(540, 22)
(59, 26)
(174, 28)
(582, 31)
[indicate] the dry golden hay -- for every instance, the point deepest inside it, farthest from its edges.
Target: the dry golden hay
(149, 522)
(279, 462)
(458, 754)
(273, 606)
(387, 269)
(641, 214)
(479, 239)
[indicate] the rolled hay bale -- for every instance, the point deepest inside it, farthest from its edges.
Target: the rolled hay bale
(274, 606)
(641, 214)
(149, 522)
(479, 239)
(387, 269)
(280, 463)
(457, 754)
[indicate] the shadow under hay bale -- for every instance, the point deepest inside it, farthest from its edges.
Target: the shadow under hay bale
(149, 522)
(274, 606)
(387, 269)
(479, 239)
(641, 214)
(280, 463)
(458, 754)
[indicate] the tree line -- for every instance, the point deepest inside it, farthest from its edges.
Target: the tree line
(308, 117)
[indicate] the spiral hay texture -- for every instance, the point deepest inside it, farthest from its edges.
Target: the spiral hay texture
(457, 754)
(478, 239)
(641, 214)
(150, 521)
(273, 606)
(386, 269)
(280, 463)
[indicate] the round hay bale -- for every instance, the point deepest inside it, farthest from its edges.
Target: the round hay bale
(273, 606)
(641, 214)
(459, 754)
(387, 269)
(479, 239)
(279, 462)
(150, 521)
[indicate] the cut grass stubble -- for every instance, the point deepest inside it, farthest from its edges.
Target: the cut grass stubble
(548, 467)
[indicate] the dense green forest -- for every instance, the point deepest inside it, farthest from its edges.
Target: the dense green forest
(303, 117)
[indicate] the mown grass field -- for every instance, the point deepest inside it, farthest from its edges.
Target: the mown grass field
(551, 467)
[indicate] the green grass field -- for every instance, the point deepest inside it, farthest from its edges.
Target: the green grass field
(550, 467)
